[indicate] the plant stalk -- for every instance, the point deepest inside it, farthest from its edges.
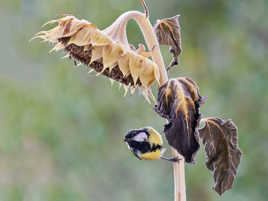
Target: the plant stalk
(179, 178)
(153, 45)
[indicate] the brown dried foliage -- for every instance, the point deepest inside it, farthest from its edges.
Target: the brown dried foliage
(179, 102)
(168, 33)
(223, 154)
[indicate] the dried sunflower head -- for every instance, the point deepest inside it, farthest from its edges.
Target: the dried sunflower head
(106, 51)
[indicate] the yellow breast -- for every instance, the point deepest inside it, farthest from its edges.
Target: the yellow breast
(151, 155)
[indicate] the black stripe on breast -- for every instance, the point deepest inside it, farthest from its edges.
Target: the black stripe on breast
(143, 147)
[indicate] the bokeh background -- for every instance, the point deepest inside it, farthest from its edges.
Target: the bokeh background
(61, 130)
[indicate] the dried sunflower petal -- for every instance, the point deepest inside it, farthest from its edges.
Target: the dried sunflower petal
(111, 55)
(97, 53)
(82, 37)
(123, 64)
(100, 39)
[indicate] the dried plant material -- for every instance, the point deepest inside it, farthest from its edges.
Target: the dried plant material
(179, 102)
(123, 64)
(168, 33)
(141, 51)
(143, 69)
(111, 55)
(223, 154)
(107, 51)
(145, 8)
(96, 53)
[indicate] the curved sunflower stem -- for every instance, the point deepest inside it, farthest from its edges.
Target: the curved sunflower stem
(148, 33)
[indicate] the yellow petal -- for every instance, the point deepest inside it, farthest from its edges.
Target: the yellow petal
(146, 54)
(112, 66)
(82, 37)
(40, 33)
(67, 27)
(148, 73)
(51, 35)
(61, 20)
(141, 51)
(111, 54)
(135, 65)
(96, 53)
(100, 39)
(123, 64)
(49, 22)
(57, 47)
(65, 19)
(157, 74)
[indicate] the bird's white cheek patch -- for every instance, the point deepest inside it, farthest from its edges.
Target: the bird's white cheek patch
(141, 137)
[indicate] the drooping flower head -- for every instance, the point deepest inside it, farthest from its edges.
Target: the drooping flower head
(106, 51)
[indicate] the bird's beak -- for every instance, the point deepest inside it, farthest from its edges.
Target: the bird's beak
(126, 140)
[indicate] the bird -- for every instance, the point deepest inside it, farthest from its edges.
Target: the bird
(146, 144)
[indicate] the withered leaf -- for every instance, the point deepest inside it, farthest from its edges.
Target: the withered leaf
(179, 101)
(168, 33)
(223, 154)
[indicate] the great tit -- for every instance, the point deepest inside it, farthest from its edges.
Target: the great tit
(146, 144)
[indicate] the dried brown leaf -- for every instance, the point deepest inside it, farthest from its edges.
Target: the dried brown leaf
(168, 33)
(179, 102)
(223, 154)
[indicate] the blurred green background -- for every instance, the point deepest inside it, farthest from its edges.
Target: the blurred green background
(61, 130)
